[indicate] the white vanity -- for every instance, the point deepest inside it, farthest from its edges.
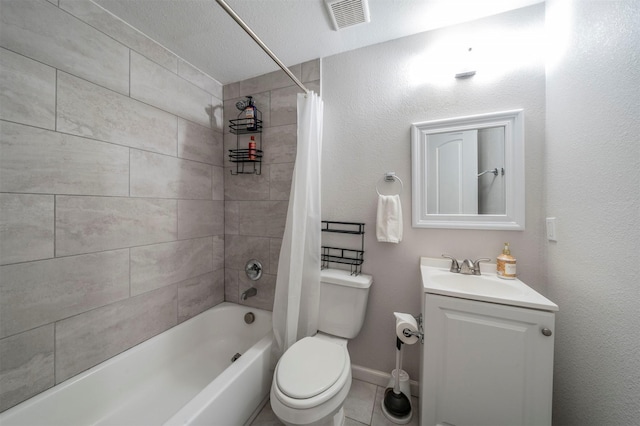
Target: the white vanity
(487, 357)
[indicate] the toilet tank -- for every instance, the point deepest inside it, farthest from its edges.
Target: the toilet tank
(343, 302)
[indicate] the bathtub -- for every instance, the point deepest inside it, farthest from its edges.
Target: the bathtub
(184, 376)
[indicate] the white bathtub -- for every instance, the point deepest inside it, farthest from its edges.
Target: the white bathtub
(182, 376)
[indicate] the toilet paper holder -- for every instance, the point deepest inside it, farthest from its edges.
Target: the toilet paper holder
(419, 334)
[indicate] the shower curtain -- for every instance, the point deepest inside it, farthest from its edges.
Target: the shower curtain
(297, 294)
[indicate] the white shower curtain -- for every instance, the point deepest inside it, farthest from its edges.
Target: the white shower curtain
(295, 308)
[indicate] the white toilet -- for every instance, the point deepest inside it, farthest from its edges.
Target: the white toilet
(313, 377)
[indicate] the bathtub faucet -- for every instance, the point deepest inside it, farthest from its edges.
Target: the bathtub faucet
(251, 291)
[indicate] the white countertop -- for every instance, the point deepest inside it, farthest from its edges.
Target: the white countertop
(487, 287)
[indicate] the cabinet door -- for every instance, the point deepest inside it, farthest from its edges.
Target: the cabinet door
(485, 364)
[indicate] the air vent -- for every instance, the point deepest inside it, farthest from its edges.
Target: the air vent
(346, 13)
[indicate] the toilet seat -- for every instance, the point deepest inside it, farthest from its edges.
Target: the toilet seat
(311, 372)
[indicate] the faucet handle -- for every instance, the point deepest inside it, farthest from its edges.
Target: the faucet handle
(476, 265)
(455, 266)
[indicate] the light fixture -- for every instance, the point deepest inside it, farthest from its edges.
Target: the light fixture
(467, 68)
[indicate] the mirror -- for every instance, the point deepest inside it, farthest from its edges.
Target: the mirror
(468, 172)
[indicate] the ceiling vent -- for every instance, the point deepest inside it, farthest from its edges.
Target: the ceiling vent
(346, 13)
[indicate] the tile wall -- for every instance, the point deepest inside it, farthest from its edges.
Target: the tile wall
(111, 191)
(256, 205)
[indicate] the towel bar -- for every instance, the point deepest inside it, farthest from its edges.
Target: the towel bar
(390, 177)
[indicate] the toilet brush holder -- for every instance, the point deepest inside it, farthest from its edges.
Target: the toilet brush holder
(405, 389)
(405, 386)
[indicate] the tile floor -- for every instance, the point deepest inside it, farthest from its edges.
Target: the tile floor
(362, 407)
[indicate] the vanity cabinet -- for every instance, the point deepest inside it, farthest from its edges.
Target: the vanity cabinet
(485, 363)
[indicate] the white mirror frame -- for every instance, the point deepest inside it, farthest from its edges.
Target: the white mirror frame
(514, 217)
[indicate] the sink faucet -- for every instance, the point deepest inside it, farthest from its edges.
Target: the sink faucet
(468, 266)
(455, 267)
(250, 292)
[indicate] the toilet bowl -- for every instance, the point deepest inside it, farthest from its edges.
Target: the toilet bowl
(313, 377)
(311, 382)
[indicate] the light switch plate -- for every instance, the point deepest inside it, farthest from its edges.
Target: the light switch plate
(551, 229)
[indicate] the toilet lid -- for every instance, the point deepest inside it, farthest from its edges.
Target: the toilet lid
(310, 367)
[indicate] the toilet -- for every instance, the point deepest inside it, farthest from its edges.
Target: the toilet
(313, 377)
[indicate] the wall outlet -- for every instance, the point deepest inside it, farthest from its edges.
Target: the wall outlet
(551, 229)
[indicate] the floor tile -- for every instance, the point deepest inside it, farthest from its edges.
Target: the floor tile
(266, 417)
(359, 403)
(351, 422)
(362, 407)
(379, 419)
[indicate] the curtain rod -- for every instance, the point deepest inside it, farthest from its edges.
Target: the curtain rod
(264, 47)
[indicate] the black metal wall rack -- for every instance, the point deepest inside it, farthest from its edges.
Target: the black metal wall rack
(247, 161)
(347, 256)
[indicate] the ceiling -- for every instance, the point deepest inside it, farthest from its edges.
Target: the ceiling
(200, 31)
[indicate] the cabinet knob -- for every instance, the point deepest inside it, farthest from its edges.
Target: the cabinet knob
(546, 332)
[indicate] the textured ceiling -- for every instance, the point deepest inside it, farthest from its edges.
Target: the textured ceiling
(200, 32)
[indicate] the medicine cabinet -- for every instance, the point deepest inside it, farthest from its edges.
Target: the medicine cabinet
(468, 172)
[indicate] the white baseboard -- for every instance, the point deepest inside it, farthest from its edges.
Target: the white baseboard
(379, 378)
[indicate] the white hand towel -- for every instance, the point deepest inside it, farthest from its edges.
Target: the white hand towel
(389, 220)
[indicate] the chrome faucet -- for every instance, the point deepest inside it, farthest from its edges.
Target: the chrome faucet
(250, 292)
(468, 266)
(455, 267)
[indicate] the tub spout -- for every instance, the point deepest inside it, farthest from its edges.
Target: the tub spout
(251, 291)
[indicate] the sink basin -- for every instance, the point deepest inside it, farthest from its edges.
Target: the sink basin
(436, 279)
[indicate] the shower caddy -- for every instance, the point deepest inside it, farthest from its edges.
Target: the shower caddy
(353, 257)
(247, 160)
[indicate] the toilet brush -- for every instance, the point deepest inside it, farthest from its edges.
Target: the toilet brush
(396, 405)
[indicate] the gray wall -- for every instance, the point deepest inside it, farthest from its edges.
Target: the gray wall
(256, 205)
(592, 164)
(112, 215)
(369, 107)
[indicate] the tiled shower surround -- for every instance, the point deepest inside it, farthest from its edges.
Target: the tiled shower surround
(114, 190)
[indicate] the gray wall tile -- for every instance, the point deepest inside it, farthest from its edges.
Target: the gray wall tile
(266, 286)
(200, 218)
(239, 249)
(268, 82)
(218, 252)
(231, 293)
(163, 264)
(85, 109)
(161, 176)
(280, 144)
(218, 177)
(26, 365)
(161, 88)
(280, 178)
(231, 217)
(88, 224)
(92, 337)
(37, 293)
(248, 186)
(262, 218)
(311, 71)
(231, 91)
(199, 143)
(43, 32)
(284, 106)
(198, 294)
(275, 244)
(26, 227)
(109, 24)
(27, 91)
(200, 79)
(38, 160)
